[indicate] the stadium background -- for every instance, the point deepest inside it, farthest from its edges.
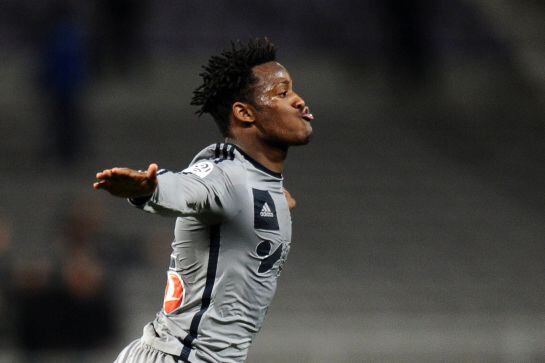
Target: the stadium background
(419, 231)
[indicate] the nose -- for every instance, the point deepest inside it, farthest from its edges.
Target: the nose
(298, 102)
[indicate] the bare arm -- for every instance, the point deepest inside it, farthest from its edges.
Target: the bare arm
(128, 183)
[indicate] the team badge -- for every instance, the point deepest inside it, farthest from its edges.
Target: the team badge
(174, 293)
(200, 169)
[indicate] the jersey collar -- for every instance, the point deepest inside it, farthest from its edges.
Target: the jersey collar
(257, 164)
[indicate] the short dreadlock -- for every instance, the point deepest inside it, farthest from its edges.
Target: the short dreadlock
(227, 78)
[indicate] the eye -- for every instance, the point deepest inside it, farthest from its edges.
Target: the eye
(283, 94)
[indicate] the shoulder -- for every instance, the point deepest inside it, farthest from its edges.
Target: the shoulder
(216, 162)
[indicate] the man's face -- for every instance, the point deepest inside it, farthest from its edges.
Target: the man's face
(282, 116)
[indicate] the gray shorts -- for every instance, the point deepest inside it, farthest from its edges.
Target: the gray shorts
(139, 352)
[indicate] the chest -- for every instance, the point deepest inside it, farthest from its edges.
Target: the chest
(266, 214)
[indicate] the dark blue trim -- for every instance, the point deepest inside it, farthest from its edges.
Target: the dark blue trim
(257, 164)
(220, 153)
(207, 293)
(184, 357)
(224, 151)
(231, 152)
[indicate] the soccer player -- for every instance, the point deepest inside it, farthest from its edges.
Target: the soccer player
(233, 226)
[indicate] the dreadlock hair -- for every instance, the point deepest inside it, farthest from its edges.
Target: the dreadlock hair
(227, 78)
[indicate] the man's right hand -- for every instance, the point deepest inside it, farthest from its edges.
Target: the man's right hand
(128, 183)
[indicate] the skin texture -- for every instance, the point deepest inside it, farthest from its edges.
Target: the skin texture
(127, 183)
(267, 128)
(264, 129)
(279, 107)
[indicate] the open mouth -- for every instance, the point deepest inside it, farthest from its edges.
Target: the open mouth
(307, 115)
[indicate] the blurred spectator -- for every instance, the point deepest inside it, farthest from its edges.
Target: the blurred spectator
(63, 80)
(156, 246)
(64, 300)
(119, 29)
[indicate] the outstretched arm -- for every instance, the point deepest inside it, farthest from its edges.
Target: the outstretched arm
(128, 183)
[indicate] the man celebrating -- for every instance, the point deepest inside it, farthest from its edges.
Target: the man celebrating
(233, 230)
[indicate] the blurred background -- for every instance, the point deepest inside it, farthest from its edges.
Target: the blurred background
(419, 231)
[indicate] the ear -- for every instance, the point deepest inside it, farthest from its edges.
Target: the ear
(243, 112)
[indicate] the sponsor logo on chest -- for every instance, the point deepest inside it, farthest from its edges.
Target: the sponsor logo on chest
(265, 216)
(266, 211)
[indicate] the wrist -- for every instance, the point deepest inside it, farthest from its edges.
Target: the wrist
(140, 200)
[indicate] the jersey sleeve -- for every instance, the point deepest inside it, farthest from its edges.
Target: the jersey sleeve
(203, 189)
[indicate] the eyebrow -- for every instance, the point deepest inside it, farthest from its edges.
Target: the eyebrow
(286, 82)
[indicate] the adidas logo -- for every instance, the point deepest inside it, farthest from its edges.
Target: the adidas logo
(266, 211)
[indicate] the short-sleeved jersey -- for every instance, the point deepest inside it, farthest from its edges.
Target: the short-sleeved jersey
(232, 236)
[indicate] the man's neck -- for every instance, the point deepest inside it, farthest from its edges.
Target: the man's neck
(269, 156)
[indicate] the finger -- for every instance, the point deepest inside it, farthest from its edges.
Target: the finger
(106, 173)
(291, 201)
(103, 184)
(120, 171)
(287, 194)
(124, 173)
(152, 171)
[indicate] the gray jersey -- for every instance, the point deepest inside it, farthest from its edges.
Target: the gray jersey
(232, 236)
